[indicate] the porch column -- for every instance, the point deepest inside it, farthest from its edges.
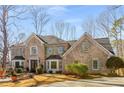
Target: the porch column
(13, 63)
(57, 64)
(29, 65)
(49, 65)
(20, 63)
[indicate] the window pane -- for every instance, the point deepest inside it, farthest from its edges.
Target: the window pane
(60, 50)
(85, 46)
(21, 51)
(33, 50)
(95, 64)
(53, 65)
(49, 50)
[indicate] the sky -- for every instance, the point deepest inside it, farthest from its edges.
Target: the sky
(74, 14)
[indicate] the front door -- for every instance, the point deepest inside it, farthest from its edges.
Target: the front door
(33, 65)
(17, 64)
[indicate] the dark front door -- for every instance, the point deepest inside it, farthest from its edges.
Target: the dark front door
(16, 64)
(33, 65)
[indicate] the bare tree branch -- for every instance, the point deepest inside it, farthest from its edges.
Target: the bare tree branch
(39, 18)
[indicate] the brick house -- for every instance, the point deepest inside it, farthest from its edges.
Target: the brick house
(54, 53)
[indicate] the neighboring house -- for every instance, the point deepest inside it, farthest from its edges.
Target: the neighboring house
(54, 53)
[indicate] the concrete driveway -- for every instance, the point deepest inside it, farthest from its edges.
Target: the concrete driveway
(98, 82)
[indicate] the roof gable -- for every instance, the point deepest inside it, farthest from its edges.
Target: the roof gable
(90, 38)
(34, 36)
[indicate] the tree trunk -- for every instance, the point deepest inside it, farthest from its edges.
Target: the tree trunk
(5, 37)
(5, 50)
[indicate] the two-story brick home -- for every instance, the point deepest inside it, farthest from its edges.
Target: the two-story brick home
(54, 53)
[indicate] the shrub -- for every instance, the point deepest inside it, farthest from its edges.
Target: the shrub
(13, 73)
(50, 71)
(114, 63)
(39, 69)
(58, 72)
(78, 69)
(19, 70)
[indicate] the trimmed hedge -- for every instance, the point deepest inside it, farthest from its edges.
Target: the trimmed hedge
(78, 69)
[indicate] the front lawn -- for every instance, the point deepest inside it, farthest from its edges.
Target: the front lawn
(38, 79)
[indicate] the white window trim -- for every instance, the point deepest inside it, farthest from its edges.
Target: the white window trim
(31, 50)
(21, 51)
(57, 62)
(60, 51)
(20, 63)
(97, 63)
(50, 50)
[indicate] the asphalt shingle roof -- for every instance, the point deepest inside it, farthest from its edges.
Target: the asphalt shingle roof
(105, 42)
(52, 39)
(55, 40)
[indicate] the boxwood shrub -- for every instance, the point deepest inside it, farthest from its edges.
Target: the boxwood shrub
(78, 69)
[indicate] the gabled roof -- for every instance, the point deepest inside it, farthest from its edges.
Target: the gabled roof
(102, 44)
(34, 35)
(19, 44)
(105, 42)
(49, 39)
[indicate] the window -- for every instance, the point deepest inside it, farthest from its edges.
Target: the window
(60, 50)
(95, 64)
(49, 50)
(53, 65)
(33, 50)
(85, 46)
(20, 51)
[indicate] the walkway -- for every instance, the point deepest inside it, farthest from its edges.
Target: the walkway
(99, 82)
